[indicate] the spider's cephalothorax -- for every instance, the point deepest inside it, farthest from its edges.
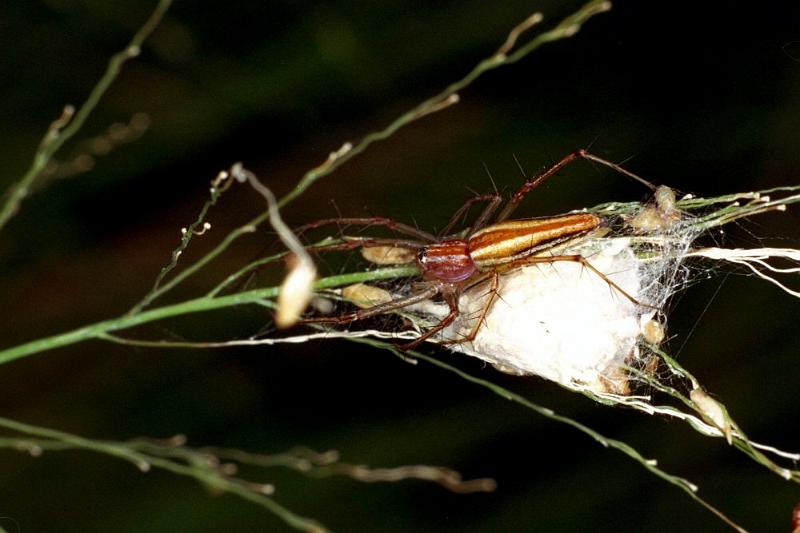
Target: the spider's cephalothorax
(449, 261)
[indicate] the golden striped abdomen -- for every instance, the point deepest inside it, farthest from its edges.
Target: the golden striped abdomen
(514, 239)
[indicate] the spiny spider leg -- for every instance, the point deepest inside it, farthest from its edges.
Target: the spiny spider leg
(575, 258)
(487, 213)
(425, 294)
(492, 293)
(370, 221)
(351, 243)
(494, 200)
(450, 294)
(451, 297)
(532, 183)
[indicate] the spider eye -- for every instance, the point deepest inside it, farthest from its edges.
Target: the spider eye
(422, 256)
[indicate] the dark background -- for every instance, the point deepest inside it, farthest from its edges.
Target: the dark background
(701, 96)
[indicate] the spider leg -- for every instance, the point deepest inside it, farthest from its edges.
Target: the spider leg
(452, 300)
(494, 283)
(429, 292)
(370, 221)
(534, 182)
(351, 243)
(493, 200)
(575, 258)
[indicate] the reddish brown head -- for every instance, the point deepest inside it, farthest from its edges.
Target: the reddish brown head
(446, 261)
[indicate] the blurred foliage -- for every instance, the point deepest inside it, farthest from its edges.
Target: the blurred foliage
(704, 98)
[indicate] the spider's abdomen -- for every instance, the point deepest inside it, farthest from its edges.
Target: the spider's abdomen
(448, 261)
(507, 241)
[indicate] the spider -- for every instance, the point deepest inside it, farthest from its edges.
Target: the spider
(451, 263)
